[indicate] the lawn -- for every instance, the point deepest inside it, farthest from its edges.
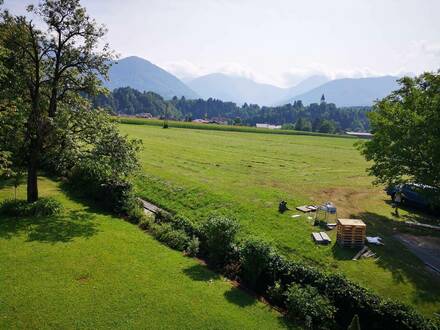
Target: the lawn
(196, 173)
(87, 269)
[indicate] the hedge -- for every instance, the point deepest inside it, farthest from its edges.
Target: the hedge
(274, 273)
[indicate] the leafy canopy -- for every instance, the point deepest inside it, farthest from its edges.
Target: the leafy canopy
(406, 128)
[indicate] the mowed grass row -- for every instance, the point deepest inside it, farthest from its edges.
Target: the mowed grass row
(85, 269)
(196, 173)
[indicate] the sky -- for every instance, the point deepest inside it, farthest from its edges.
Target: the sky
(278, 42)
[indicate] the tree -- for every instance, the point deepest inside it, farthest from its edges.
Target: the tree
(52, 68)
(327, 126)
(406, 133)
(303, 124)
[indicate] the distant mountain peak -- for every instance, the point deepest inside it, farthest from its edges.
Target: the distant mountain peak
(351, 91)
(141, 74)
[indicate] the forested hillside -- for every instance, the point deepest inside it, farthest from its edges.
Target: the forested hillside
(324, 117)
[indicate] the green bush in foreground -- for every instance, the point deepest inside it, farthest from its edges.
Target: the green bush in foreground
(193, 247)
(255, 255)
(175, 238)
(308, 306)
(218, 235)
(21, 208)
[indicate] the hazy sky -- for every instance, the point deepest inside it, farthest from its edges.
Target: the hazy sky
(276, 41)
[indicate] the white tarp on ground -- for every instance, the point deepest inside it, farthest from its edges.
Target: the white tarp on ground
(374, 240)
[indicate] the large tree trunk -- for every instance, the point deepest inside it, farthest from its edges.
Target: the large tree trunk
(32, 179)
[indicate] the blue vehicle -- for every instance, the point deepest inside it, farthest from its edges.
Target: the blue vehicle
(415, 194)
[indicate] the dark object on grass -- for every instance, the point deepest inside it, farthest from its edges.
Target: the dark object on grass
(416, 195)
(282, 207)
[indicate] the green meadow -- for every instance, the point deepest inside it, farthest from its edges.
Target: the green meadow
(85, 269)
(196, 173)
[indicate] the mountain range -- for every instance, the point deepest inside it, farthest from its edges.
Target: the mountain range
(140, 74)
(143, 75)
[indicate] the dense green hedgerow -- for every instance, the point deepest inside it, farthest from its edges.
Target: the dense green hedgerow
(218, 237)
(270, 274)
(255, 255)
(308, 306)
(175, 238)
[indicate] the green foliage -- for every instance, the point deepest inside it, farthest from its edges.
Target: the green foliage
(308, 306)
(255, 256)
(131, 102)
(192, 249)
(218, 235)
(146, 221)
(275, 294)
(5, 164)
(43, 69)
(21, 208)
(406, 127)
(303, 124)
(175, 238)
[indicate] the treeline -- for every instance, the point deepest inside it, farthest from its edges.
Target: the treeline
(324, 117)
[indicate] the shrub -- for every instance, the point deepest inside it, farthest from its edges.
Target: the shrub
(15, 208)
(46, 207)
(308, 306)
(21, 208)
(193, 247)
(146, 222)
(163, 217)
(174, 238)
(255, 256)
(275, 294)
(218, 234)
(135, 212)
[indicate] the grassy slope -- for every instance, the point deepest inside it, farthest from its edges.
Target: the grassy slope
(195, 172)
(85, 269)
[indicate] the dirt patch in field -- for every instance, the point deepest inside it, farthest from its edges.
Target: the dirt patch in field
(84, 278)
(348, 201)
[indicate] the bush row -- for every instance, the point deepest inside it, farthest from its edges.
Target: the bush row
(21, 208)
(318, 299)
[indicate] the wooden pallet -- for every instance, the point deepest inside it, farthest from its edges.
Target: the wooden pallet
(351, 232)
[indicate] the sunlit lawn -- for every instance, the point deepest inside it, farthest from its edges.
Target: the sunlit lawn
(89, 270)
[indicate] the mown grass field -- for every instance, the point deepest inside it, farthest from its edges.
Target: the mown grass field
(89, 270)
(199, 172)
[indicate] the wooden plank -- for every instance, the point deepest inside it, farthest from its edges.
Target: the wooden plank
(150, 207)
(361, 252)
(325, 237)
(317, 237)
(303, 208)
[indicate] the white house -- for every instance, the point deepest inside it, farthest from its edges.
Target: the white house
(269, 126)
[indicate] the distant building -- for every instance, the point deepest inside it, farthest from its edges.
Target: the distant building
(144, 115)
(363, 135)
(268, 126)
(322, 98)
(201, 121)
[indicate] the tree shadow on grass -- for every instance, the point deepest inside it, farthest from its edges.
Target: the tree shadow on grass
(396, 258)
(201, 273)
(63, 228)
(235, 295)
(239, 297)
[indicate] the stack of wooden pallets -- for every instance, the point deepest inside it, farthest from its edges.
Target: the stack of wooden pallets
(351, 232)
